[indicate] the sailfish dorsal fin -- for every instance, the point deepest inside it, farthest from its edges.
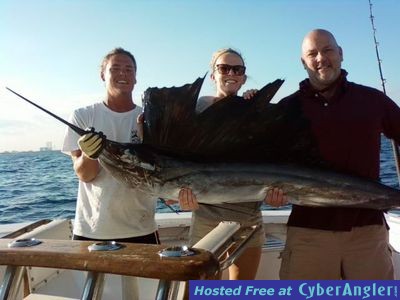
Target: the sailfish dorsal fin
(232, 129)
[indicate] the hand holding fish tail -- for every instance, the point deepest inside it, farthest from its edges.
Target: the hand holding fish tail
(247, 95)
(139, 123)
(187, 199)
(276, 198)
(92, 143)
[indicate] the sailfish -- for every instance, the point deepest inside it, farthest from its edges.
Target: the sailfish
(234, 151)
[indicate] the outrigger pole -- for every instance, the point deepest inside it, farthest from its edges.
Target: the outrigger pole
(395, 146)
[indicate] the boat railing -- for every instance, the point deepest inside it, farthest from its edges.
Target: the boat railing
(26, 229)
(169, 265)
(238, 246)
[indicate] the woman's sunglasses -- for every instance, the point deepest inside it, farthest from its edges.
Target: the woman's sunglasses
(224, 69)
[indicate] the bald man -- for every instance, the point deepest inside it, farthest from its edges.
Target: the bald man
(347, 120)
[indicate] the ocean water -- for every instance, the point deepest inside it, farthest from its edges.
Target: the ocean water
(42, 185)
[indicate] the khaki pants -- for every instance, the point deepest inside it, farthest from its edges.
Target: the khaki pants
(363, 253)
(201, 227)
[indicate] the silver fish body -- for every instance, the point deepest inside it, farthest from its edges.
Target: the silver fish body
(215, 183)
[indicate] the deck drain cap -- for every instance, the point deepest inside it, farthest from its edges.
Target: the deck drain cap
(24, 243)
(176, 251)
(105, 246)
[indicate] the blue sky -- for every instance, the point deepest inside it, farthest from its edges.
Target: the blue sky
(51, 50)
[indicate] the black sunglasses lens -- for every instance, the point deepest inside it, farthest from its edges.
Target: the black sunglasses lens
(238, 70)
(225, 69)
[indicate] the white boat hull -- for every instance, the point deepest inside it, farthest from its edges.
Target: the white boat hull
(174, 230)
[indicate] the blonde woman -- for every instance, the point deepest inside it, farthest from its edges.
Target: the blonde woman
(228, 72)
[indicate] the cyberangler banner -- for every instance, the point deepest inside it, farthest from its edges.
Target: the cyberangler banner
(294, 289)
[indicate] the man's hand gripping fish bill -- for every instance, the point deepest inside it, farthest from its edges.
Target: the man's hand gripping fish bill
(92, 143)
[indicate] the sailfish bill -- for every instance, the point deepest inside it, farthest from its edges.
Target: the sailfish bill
(234, 151)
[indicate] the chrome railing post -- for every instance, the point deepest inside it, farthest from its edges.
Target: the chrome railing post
(93, 288)
(11, 283)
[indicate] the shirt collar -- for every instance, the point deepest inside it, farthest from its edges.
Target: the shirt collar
(307, 89)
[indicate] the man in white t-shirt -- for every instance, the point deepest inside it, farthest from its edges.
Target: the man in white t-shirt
(106, 209)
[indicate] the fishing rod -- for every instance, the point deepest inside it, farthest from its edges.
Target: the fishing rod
(395, 146)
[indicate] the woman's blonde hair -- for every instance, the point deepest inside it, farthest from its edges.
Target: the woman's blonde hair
(220, 52)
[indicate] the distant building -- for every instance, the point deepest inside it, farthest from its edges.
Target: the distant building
(49, 147)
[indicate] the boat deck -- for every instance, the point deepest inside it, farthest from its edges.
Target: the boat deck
(174, 231)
